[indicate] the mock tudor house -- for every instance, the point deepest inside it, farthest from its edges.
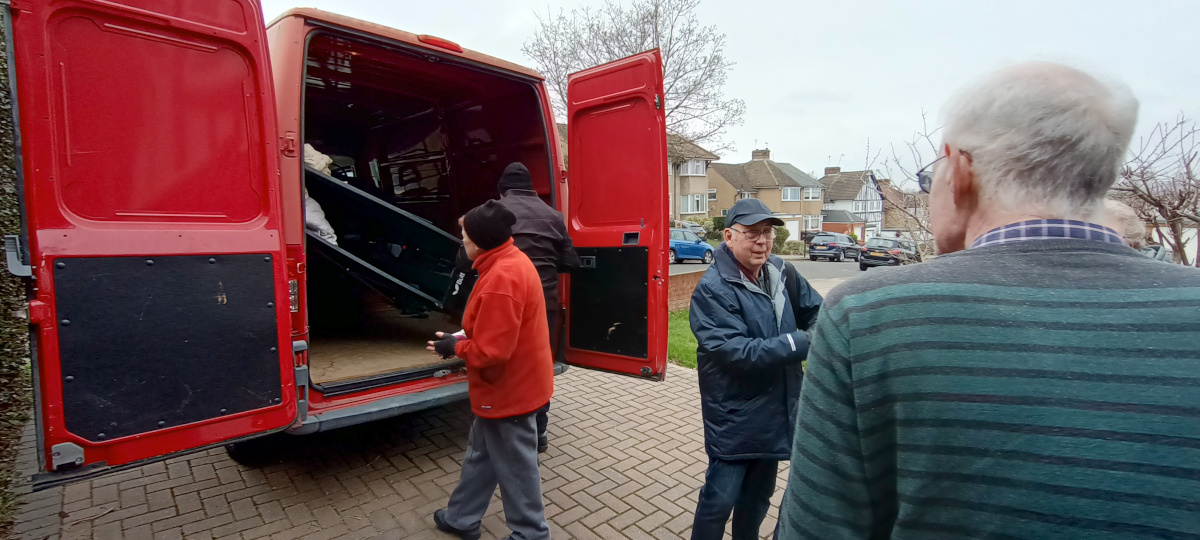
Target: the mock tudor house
(792, 195)
(854, 192)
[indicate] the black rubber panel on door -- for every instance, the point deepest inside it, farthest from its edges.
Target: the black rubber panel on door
(148, 343)
(608, 301)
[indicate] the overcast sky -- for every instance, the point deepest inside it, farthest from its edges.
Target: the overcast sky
(821, 78)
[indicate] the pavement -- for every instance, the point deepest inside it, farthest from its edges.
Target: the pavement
(626, 461)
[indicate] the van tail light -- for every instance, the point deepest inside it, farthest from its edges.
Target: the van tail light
(894, 251)
(440, 43)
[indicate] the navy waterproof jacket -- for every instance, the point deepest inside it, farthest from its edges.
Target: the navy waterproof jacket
(748, 359)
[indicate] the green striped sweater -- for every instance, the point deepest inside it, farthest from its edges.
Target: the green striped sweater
(1041, 389)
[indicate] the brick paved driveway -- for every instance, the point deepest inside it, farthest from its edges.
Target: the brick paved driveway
(626, 461)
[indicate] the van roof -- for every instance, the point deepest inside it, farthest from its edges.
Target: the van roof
(399, 35)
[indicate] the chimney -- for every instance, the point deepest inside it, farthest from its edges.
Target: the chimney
(760, 154)
(830, 171)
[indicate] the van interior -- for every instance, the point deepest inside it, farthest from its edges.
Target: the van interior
(415, 141)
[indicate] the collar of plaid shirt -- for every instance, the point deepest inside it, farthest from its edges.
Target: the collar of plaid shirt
(1045, 229)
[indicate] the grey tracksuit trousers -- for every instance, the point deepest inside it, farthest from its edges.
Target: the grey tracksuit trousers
(501, 452)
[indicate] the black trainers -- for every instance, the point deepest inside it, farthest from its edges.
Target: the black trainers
(543, 443)
(439, 519)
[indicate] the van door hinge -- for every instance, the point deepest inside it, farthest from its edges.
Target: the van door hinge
(12, 253)
(289, 144)
(657, 102)
(302, 383)
(65, 455)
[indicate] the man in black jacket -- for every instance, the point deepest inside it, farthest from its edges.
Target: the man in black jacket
(749, 362)
(541, 234)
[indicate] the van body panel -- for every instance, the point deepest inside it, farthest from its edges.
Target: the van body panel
(159, 299)
(166, 216)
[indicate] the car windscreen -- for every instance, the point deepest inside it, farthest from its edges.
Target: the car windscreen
(881, 243)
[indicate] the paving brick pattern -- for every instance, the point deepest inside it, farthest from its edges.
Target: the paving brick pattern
(626, 460)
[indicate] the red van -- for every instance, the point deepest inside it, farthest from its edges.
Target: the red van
(176, 298)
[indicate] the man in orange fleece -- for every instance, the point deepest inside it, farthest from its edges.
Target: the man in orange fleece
(510, 375)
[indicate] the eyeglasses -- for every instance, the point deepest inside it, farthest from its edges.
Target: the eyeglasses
(925, 175)
(753, 235)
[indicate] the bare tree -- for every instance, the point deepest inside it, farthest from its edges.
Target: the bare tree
(694, 64)
(1160, 182)
(903, 202)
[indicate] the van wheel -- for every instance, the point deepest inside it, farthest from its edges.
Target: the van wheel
(671, 257)
(862, 267)
(258, 452)
(708, 257)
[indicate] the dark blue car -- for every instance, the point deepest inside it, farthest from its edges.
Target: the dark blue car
(686, 245)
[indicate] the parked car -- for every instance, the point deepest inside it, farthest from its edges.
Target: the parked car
(833, 246)
(686, 245)
(888, 252)
(694, 227)
(180, 303)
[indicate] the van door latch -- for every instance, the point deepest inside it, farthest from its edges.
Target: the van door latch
(289, 144)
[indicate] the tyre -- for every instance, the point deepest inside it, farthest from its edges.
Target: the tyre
(857, 256)
(862, 267)
(812, 258)
(708, 257)
(671, 257)
(837, 257)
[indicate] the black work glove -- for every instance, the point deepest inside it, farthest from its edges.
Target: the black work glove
(445, 346)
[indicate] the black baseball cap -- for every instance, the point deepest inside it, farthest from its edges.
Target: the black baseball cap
(750, 212)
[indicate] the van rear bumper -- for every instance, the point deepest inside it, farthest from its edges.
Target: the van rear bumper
(378, 410)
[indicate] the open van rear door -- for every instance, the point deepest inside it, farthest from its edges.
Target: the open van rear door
(617, 217)
(150, 189)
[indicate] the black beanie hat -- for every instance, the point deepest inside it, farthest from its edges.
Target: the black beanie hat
(515, 176)
(489, 225)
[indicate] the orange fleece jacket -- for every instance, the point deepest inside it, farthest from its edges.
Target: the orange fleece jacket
(510, 369)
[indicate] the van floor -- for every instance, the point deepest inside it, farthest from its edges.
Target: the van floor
(387, 342)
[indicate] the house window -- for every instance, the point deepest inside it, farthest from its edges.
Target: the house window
(812, 194)
(812, 223)
(712, 194)
(693, 204)
(791, 194)
(693, 167)
(725, 212)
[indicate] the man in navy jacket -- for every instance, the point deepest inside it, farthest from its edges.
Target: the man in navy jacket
(748, 360)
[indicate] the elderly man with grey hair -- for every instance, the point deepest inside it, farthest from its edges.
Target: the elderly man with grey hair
(1039, 379)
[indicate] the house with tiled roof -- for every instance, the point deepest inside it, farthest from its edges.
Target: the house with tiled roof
(689, 178)
(791, 194)
(855, 192)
